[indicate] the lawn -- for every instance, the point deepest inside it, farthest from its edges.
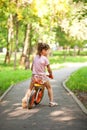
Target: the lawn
(10, 77)
(78, 80)
(58, 57)
(78, 84)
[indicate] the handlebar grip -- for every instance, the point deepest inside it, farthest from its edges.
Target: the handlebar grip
(50, 76)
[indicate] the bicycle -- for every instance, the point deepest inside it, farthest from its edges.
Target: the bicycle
(36, 95)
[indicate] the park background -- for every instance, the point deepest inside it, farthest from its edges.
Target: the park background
(60, 23)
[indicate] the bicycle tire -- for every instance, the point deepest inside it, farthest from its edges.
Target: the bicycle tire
(31, 100)
(39, 95)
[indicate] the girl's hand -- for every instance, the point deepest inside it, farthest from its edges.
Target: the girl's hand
(50, 76)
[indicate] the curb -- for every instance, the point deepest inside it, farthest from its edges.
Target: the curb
(6, 92)
(75, 98)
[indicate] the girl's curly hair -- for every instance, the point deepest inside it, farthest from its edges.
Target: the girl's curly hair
(42, 46)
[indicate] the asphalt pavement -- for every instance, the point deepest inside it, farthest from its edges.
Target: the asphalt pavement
(66, 116)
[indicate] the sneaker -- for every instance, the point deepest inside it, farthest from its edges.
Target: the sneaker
(52, 104)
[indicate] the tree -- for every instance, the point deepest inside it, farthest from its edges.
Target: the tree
(75, 25)
(51, 21)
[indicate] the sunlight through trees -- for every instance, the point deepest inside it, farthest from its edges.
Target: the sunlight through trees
(25, 22)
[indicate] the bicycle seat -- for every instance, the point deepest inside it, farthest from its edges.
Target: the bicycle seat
(37, 85)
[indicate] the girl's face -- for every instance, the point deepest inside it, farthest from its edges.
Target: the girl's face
(45, 52)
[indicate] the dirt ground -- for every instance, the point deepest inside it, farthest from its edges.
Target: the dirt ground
(82, 96)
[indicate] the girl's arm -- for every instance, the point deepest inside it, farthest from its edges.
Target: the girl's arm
(49, 71)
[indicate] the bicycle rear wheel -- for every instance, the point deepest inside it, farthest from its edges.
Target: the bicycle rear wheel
(31, 100)
(39, 96)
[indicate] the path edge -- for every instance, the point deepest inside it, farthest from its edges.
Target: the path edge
(6, 92)
(82, 107)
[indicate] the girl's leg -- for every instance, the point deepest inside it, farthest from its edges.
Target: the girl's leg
(50, 91)
(29, 90)
(50, 94)
(24, 100)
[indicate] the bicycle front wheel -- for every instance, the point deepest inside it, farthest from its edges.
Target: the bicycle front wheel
(31, 100)
(39, 96)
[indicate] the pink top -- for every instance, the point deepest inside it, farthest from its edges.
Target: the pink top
(39, 65)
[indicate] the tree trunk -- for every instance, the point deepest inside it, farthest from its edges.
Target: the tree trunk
(16, 45)
(65, 52)
(26, 42)
(9, 39)
(24, 61)
(74, 50)
(79, 50)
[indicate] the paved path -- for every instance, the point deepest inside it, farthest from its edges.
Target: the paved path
(66, 116)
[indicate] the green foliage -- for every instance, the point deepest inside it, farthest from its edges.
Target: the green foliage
(47, 19)
(3, 22)
(81, 11)
(85, 1)
(61, 36)
(3, 37)
(78, 80)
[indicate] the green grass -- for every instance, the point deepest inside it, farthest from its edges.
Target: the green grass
(9, 77)
(58, 57)
(78, 80)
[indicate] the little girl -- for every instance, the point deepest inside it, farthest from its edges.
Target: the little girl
(40, 63)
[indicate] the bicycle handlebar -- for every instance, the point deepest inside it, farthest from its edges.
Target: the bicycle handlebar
(50, 76)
